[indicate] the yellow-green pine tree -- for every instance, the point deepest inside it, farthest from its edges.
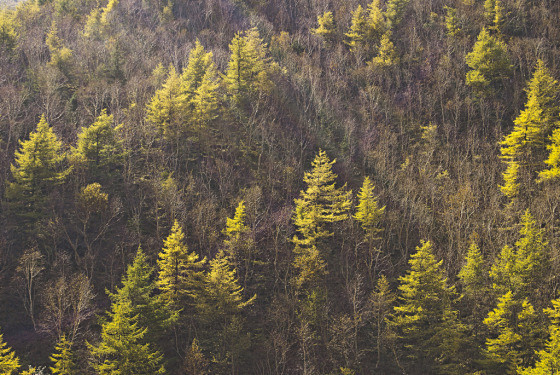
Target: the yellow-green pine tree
(376, 22)
(358, 29)
(326, 27)
(63, 359)
(386, 54)
(553, 161)
(368, 212)
(178, 269)
(9, 363)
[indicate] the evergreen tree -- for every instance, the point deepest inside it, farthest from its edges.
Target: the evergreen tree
(8, 33)
(122, 350)
(220, 304)
(474, 274)
(368, 212)
(60, 55)
(205, 103)
(386, 55)
(553, 160)
(200, 64)
(524, 147)
(395, 11)
(549, 358)
(321, 204)
(138, 291)
(326, 27)
(489, 63)
(99, 149)
(376, 22)
(249, 69)
(36, 171)
(195, 362)
(424, 318)
(514, 334)
(358, 29)
(63, 359)
(522, 270)
(9, 363)
(178, 275)
(452, 22)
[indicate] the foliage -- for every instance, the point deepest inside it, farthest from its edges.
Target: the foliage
(63, 358)
(9, 363)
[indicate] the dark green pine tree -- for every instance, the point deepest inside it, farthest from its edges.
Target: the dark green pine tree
(424, 319)
(138, 290)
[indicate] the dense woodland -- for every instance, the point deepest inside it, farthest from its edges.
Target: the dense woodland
(280, 187)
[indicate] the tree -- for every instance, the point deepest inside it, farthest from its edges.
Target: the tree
(60, 55)
(549, 358)
(386, 54)
(395, 11)
(515, 334)
(326, 27)
(553, 160)
(63, 359)
(99, 149)
(138, 290)
(238, 244)
(178, 275)
(521, 271)
(320, 205)
(489, 63)
(376, 22)
(249, 69)
(473, 274)
(452, 22)
(166, 109)
(122, 350)
(381, 300)
(9, 363)
(523, 150)
(8, 34)
(219, 305)
(358, 29)
(424, 318)
(36, 171)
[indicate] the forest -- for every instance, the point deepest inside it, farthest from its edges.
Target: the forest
(284, 187)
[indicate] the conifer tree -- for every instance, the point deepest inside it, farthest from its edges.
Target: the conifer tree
(36, 171)
(424, 318)
(8, 33)
(320, 205)
(452, 22)
(368, 212)
(489, 63)
(9, 363)
(326, 27)
(549, 358)
(524, 147)
(60, 54)
(358, 29)
(376, 22)
(63, 359)
(386, 55)
(514, 334)
(473, 274)
(205, 102)
(522, 270)
(200, 63)
(178, 269)
(122, 350)
(395, 11)
(249, 68)
(220, 304)
(99, 149)
(195, 362)
(138, 290)
(553, 160)
(381, 300)
(166, 109)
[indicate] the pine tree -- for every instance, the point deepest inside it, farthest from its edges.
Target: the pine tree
(238, 243)
(99, 149)
(368, 212)
(424, 319)
(205, 103)
(8, 33)
(178, 275)
(249, 68)
(326, 27)
(515, 334)
(358, 29)
(549, 358)
(386, 55)
(319, 205)
(166, 109)
(474, 275)
(219, 305)
(9, 363)
(122, 350)
(381, 300)
(376, 22)
(395, 11)
(523, 150)
(200, 63)
(522, 270)
(452, 22)
(489, 63)
(138, 291)
(60, 55)
(553, 161)
(63, 359)
(36, 171)
(195, 362)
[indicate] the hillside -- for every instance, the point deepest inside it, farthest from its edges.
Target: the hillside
(279, 187)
